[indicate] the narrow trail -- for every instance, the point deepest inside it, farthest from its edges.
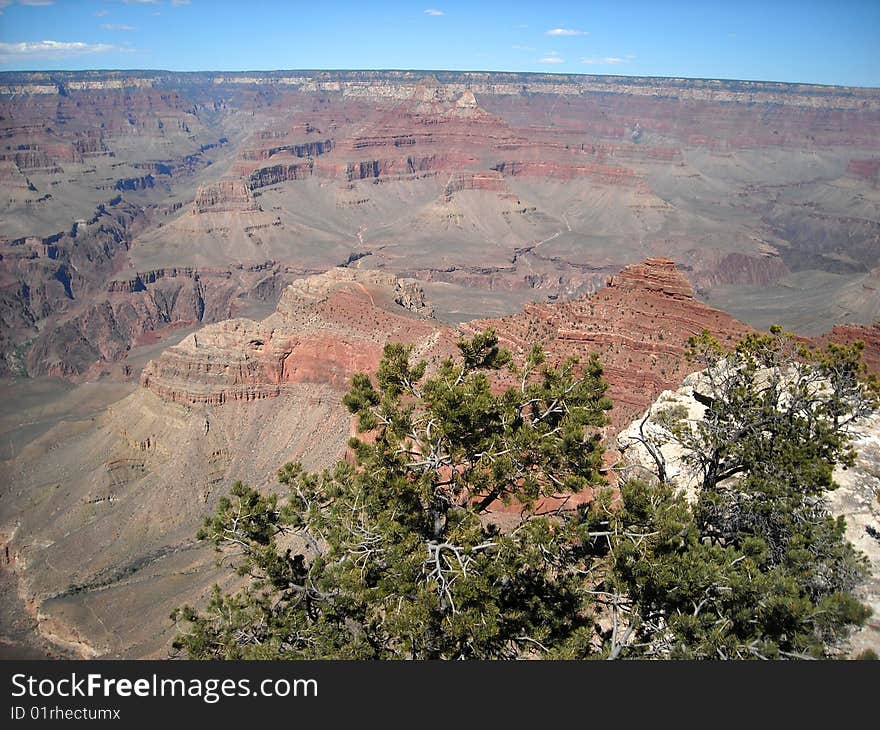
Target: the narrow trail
(366, 291)
(555, 235)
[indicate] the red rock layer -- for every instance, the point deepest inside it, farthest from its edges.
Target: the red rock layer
(43, 132)
(490, 180)
(434, 130)
(865, 169)
(847, 334)
(569, 171)
(326, 328)
(638, 324)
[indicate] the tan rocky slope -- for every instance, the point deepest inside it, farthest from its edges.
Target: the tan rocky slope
(101, 513)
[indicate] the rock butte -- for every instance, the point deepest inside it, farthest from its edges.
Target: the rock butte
(325, 329)
(638, 324)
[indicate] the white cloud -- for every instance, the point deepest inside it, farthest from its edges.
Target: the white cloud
(32, 3)
(117, 26)
(551, 59)
(51, 49)
(434, 11)
(522, 48)
(178, 3)
(566, 31)
(607, 61)
(102, 13)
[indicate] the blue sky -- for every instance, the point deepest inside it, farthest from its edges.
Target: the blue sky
(816, 41)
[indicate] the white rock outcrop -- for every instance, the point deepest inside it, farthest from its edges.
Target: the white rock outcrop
(857, 497)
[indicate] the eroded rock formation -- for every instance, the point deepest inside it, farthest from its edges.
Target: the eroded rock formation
(325, 329)
(638, 324)
(236, 399)
(224, 196)
(496, 182)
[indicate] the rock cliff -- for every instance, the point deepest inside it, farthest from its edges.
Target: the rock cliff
(325, 329)
(638, 324)
(224, 196)
(497, 183)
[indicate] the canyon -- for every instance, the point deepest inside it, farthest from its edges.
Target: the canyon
(193, 266)
(103, 507)
(494, 190)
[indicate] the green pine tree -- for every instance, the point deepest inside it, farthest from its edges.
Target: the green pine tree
(395, 556)
(399, 556)
(757, 567)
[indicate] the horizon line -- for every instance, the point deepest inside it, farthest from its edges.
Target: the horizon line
(432, 71)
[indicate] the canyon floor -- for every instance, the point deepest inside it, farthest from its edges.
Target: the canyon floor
(192, 266)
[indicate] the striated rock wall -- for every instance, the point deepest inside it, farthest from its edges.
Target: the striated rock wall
(865, 169)
(224, 196)
(655, 275)
(605, 170)
(142, 279)
(325, 329)
(274, 174)
(305, 149)
(48, 277)
(561, 171)
(638, 324)
(401, 85)
(104, 332)
(491, 181)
